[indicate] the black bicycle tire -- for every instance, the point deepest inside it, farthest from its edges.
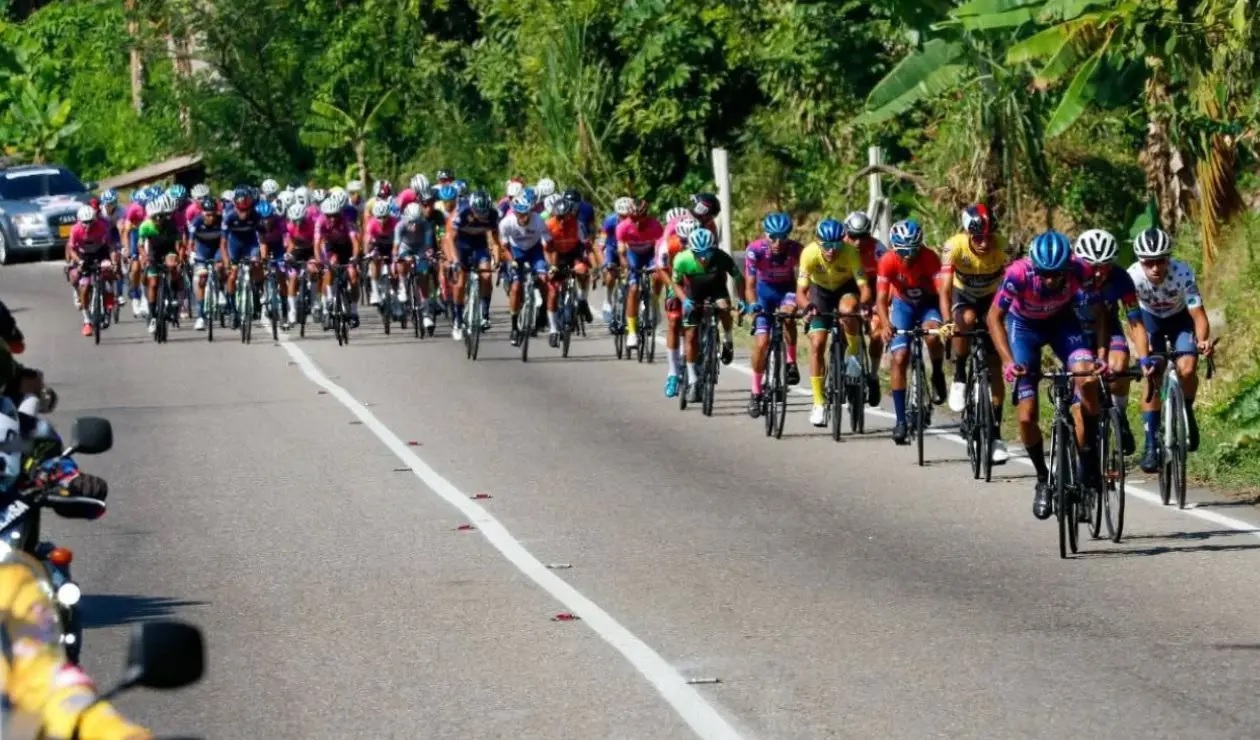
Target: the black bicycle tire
(1096, 502)
(709, 379)
(857, 409)
(781, 391)
(917, 382)
(769, 398)
(1074, 491)
(97, 309)
(526, 319)
(276, 307)
(969, 425)
(1058, 467)
(618, 320)
(836, 388)
(1114, 501)
(650, 333)
(1179, 446)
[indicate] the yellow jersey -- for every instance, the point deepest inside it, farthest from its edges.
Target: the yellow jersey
(974, 275)
(830, 274)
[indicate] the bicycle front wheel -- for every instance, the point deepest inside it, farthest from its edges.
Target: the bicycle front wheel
(1113, 475)
(1178, 432)
(1059, 462)
(835, 389)
(709, 379)
(917, 411)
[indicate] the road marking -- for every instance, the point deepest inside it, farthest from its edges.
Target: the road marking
(1131, 491)
(701, 715)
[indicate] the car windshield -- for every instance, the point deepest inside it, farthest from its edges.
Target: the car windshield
(27, 184)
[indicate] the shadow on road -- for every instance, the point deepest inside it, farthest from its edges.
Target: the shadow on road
(1192, 535)
(109, 610)
(1227, 504)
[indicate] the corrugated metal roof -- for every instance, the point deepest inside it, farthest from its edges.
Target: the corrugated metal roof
(151, 172)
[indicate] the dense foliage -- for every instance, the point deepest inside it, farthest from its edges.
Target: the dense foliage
(1057, 112)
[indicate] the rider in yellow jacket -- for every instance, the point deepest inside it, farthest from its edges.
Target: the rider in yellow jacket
(44, 695)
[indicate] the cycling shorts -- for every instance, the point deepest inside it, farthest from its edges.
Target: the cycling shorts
(1062, 333)
(1179, 328)
(823, 300)
(905, 316)
(532, 259)
(771, 297)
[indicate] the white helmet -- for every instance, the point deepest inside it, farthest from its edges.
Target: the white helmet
(685, 226)
(380, 209)
(296, 212)
(514, 188)
(1152, 244)
(549, 203)
(675, 213)
(270, 187)
(86, 214)
(419, 183)
(319, 195)
(624, 206)
(302, 195)
(329, 207)
(857, 224)
(354, 186)
(200, 190)
(338, 189)
(227, 195)
(285, 199)
(545, 187)
(412, 213)
(1097, 247)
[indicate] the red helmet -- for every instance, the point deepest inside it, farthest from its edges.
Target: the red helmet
(977, 221)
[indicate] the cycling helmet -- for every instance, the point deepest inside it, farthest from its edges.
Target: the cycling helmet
(530, 193)
(337, 189)
(1097, 247)
(208, 204)
(545, 187)
(270, 187)
(296, 212)
(857, 224)
(383, 189)
(701, 242)
(559, 206)
(264, 209)
(86, 214)
(329, 207)
(354, 186)
(285, 199)
(514, 188)
(573, 195)
(906, 237)
(830, 231)
(676, 213)
(227, 196)
(522, 204)
(685, 226)
(152, 209)
(419, 183)
(139, 196)
(462, 187)
(480, 203)
(200, 190)
(624, 206)
(1152, 244)
(394, 210)
(380, 209)
(445, 175)
(428, 196)
(412, 213)
(705, 204)
(177, 191)
(1050, 251)
(109, 196)
(448, 192)
(977, 221)
(319, 195)
(167, 203)
(549, 203)
(777, 225)
(640, 207)
(242, 198)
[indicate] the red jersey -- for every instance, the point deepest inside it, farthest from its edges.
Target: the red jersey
(912, 282)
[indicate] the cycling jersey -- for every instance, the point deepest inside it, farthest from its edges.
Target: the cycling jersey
(161, 239)
(869, 251)
(913, 282)
(379, 234)
(830, 274)
(180, 217)
(470, 231)
(1025, 295)
(639, 236)
(273, 230)
(525, 236)
(335, 230)
(702, 280)
(1115, 291)
(413, 238)
(1178, 292)
(301, 233)
(191, 212)
(564, 234)
(242, 229)
(206, 232)
(974, 275)
(763, 267)
(90, 241)
(134, 214)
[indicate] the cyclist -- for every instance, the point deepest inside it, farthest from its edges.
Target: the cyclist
(567, 251)
(161, 247)
(585, 217)
(179, 194)
(467, 248)
(242, 229)
(857, 234)
(972, 264)
(337, 243)
(1114, 290)
(274, 230)
(111, 211)
(417, 188)
(700, 275)
(382, 191)
(515, 186)
(378, 237)
(205, 233)
(447, 195)
(90, 243)
(906, 297)
(522, 237)
(832, 279)
(414, 241)
(636, 241)
(667, 251)
(705, 208)
(299, 245)
(133, 216)
(1176, 321)
(770, 266)
(622, 208)
(1036, 307)
(269, 190)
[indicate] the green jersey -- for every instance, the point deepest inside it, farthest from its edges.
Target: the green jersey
(704, 278)
(162, 239)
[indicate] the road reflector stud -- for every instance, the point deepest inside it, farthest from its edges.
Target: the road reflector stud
(694, 681)
(559, 566)
(465, 528)
(481, 496)
(565, 617)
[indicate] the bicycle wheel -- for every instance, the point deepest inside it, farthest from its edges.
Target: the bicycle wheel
(618, 319)
(1059, 483)
(769, 391)
(472, 305)
(1177, 447)
(275, 302)
(1164, 443)
(387, 309)
(527, 318)
(1095, 499)
(647, 326)
(984, 417)
(303, 304)
(779, 398)
(917, 411)
(97, 310)
(836, 388)
(159, 312)
(968, 426)
(709, 376)
(1113, 475)
(244, 303)
(857, 396)
(1074, 495)
(415, 306)
(568, 309)
(345, 311)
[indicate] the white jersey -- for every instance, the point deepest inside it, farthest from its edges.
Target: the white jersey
(1178, 292)
(526, 237)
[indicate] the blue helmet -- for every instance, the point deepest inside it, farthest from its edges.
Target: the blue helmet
(829, 231)
(263, 209)
(701, 242)
(777, 225)
(906, 237)
(448, 192)
(462, 186)
(177, 191)
(139, 196)
(109, 196)
(530, 193)
(1050, 251)
(522, 204)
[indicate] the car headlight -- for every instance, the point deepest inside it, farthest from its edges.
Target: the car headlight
(30, 224)
(69, 594)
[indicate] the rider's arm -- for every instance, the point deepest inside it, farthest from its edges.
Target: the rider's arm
(747, 286)
(996, 320)
(945, 289)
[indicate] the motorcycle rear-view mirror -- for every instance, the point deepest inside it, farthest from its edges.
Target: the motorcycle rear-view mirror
(165, 654)
(92, 435)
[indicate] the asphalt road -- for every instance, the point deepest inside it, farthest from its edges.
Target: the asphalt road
(834, 590)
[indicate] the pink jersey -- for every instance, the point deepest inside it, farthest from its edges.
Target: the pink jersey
(192, 212)
(274, 229)
(302, 232)
(334, 229)
(180, 219)
(313, 213)
(135, 214)
(761, 266)
(1027, 297)
(380, 232)
(640, 236)
(406, 198)
(93, 237)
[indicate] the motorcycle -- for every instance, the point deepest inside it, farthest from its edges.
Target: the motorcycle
(53, 482)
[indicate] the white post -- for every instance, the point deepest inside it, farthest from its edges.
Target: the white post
(877, 205)
(722, 176)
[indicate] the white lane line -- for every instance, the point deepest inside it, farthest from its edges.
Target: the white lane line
(1131, 491)
(701, 715)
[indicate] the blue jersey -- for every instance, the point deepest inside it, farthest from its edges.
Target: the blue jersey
(242, 231)
(610, 230)
(470, 231)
